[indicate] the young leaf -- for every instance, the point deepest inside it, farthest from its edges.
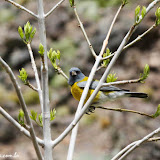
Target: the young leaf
(41, 49)
(143, 12)
(20, 31)
(21, 117)
(137, 11)
(40, 119)
(33, 115)
(52, 114)
(157, 112)
(157, 16)
(144, 75)
(53, 56)
(23, 75)
(58, 55)
(32, 33)
(71, 3)
(124, 2)
(107, 53)
(111, 77)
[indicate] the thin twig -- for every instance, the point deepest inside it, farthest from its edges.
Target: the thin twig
(125, 110)
(23, 105)
(123, 150)
(84, 32)
(132, 144)
(31, 86)
(60, 71)
(36, 74)
(139, 37)
(138, 143)
(18, 126)
(105, 42)
(56, 6)
(154, 139)
(22, 8)
(133, 42)
(122, 82)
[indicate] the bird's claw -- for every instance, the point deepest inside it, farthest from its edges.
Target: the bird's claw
(90, 110)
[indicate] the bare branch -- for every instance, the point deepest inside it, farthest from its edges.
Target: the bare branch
(138, 143)
(84, 32)
(36, 74)
(125, 110)
(132, 144)
(23, 105)
(56, 6)
(31, 86)
(60, 71)
(133, 42)
(22, 8)
(121, 82)
(18, 126)
(44, 81)
(105, 42)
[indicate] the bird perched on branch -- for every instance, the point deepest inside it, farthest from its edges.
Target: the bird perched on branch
(77, 81)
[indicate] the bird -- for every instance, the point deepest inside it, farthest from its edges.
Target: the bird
(77, 81)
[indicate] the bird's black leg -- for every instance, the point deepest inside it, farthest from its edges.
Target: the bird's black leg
(90, 110)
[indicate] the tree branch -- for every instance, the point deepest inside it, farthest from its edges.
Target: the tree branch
(31, 86)
(56, 6)
(60, 71)
(125, 110)
(22, 8)
(105, 42)
(23, 105)
(18, 126)
(36, 75)
(122, 82)
(84, 32)
(44, 81)
(139, 142)
(133, 42)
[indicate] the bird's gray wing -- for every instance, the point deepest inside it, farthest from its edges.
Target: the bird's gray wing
(95, 83)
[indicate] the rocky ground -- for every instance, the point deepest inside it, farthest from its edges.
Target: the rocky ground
(104, 133)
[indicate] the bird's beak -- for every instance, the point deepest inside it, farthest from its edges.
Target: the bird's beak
(73, 73)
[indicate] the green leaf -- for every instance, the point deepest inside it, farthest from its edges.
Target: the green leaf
(107, 53)
(111, 77)
(33, 115)
(157, 112)
(143, 12)
(53, 56)
(52, 114)
(40, 119)
(157, 13)
(137, 11)
(58, 55)
(144, 75)
(21, 117)
(20, 31)
(41, 49)
(23, 75)
(124, 2)
(32, 33)
(71, 3)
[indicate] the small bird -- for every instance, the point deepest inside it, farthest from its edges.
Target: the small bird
(77, 81)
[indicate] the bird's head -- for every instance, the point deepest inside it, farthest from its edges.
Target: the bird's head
(75, 75)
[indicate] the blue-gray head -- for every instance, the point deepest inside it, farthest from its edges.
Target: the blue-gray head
(75, 75)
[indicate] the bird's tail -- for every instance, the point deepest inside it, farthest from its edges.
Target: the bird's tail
(136, 94)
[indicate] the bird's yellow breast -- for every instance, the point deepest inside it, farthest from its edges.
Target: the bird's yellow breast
(77, 91)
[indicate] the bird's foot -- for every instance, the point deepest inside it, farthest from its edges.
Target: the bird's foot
(90, 110)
